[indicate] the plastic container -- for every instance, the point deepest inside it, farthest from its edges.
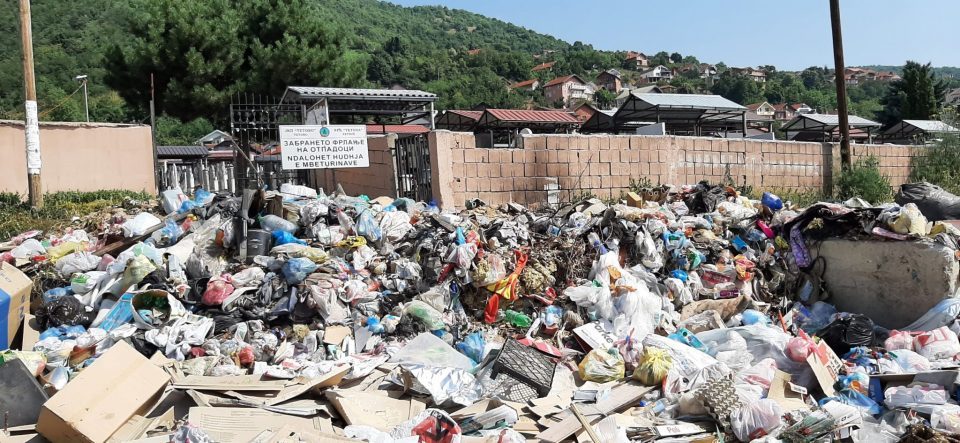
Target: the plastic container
(272, 223)
(771, 201)
(258, 242)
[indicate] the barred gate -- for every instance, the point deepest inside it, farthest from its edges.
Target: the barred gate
(412, 154)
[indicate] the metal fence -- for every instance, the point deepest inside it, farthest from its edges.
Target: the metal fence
(412, 156)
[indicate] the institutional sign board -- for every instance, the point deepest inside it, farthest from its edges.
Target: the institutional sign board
(324, 146)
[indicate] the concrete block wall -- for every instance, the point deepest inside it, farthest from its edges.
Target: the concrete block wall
(378, 179)
(604, 165)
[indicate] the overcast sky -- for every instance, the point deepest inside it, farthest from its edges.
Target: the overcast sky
(791, 35)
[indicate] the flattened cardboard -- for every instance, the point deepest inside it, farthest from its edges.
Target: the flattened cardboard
(377, 410)
(244, 424)
(826, 367)
(781, 393)
(301, 386)
(334, 335)
(254, 382)
(595, 336)
(15, 289)
(118, 385)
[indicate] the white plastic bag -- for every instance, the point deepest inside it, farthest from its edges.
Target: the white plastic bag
(946, 418)
(77, 262)
(139, 224)
(910, 361)
(755, 420)
(938, 344)
(592, 298)
(902, 396)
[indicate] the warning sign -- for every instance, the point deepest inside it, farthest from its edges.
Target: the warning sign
(320, 147)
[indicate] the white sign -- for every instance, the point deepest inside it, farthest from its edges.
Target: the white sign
(321, 147)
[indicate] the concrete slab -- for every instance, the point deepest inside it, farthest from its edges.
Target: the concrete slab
(893, 283)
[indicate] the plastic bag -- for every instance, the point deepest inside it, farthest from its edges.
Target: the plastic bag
(140, 224)
(29, 248)
(755, 420)
(168, 234)
(903, 396)
(910, 361)
(760, 374)
(472, 346)
(429, 350)
(595, 299)
(934, 202)
(84, 282)
(688, 338)
(799, 347)
(910, 221)
(654, 366)
(938, 344)
(853, 398)
(395, 225)
(284, 237)
(899, 340)
(849, 332)
(426, 314)
(77, 262)
(218, 289)
(602, 366)
(296, 270)
(252, 276)
(367, 227)
(947, 419)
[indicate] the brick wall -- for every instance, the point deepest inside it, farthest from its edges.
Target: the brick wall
(374, 181)
(604, 165)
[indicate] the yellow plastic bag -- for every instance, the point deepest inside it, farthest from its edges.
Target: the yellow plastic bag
(602, 366)
(57, 252)
(910, 221)
(653, 366)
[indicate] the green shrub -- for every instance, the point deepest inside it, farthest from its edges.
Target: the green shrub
(939, 164)
(864, 180)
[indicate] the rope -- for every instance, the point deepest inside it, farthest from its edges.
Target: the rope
(48, 111)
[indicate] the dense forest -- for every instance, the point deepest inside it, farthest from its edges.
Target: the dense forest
(202, 52)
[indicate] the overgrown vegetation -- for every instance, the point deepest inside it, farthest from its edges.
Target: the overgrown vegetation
(864, 180)
(58, 210)
(939, 164)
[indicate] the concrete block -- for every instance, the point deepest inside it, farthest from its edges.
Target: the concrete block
(893, 283)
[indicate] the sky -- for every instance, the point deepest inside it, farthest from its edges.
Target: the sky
(789, 34)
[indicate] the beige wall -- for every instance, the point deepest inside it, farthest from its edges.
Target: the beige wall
(605, 164)
(80, 157)
(374, 181)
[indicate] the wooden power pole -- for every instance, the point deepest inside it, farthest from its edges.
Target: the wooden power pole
(841, 85)
(31, 127)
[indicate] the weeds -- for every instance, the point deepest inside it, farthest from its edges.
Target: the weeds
(864, 180)
(59, 208)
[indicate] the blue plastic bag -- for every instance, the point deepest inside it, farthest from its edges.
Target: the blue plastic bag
(284, 237)
(472, 346)
(367, 227)
(752, 317)
(853, 398)
(296, 270)
(771, 201)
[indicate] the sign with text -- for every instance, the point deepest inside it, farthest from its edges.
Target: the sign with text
(322, 147)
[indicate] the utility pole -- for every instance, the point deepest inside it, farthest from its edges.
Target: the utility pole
(86, 103)
(841, 85)
(31, 127)
(153, 137)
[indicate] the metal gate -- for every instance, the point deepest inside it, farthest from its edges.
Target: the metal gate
(255, 125)
(412, 154)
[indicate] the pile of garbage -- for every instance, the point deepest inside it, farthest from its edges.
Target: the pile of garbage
(682, 314)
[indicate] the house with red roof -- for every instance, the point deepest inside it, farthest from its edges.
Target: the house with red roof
(543, 66)
(636, 60)
(567, 89)
(527, 85)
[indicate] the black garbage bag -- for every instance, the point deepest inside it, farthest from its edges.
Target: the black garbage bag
(705, 198)
(848, 332)
(933, 201)
(65, 311)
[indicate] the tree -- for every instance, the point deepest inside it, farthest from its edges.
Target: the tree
(257, 46)
(690, 60)
(917, 95)
(676, 57)
(173, 132)
(660, 58)
(604, 99)
(738, 88)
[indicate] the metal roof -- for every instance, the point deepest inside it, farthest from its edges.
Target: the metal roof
(458, 119)
(396, 129)
(182, 151)
(679, 101)
(929, 125)
(521, 115)
(832, 120)
(317, 92)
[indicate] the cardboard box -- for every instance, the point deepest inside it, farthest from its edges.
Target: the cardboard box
(243, 424)
(94, 405)
(15, 289)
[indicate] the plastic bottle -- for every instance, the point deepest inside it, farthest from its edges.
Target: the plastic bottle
(517, 319)
(272, 223)
(552, 316)
(594, 240)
